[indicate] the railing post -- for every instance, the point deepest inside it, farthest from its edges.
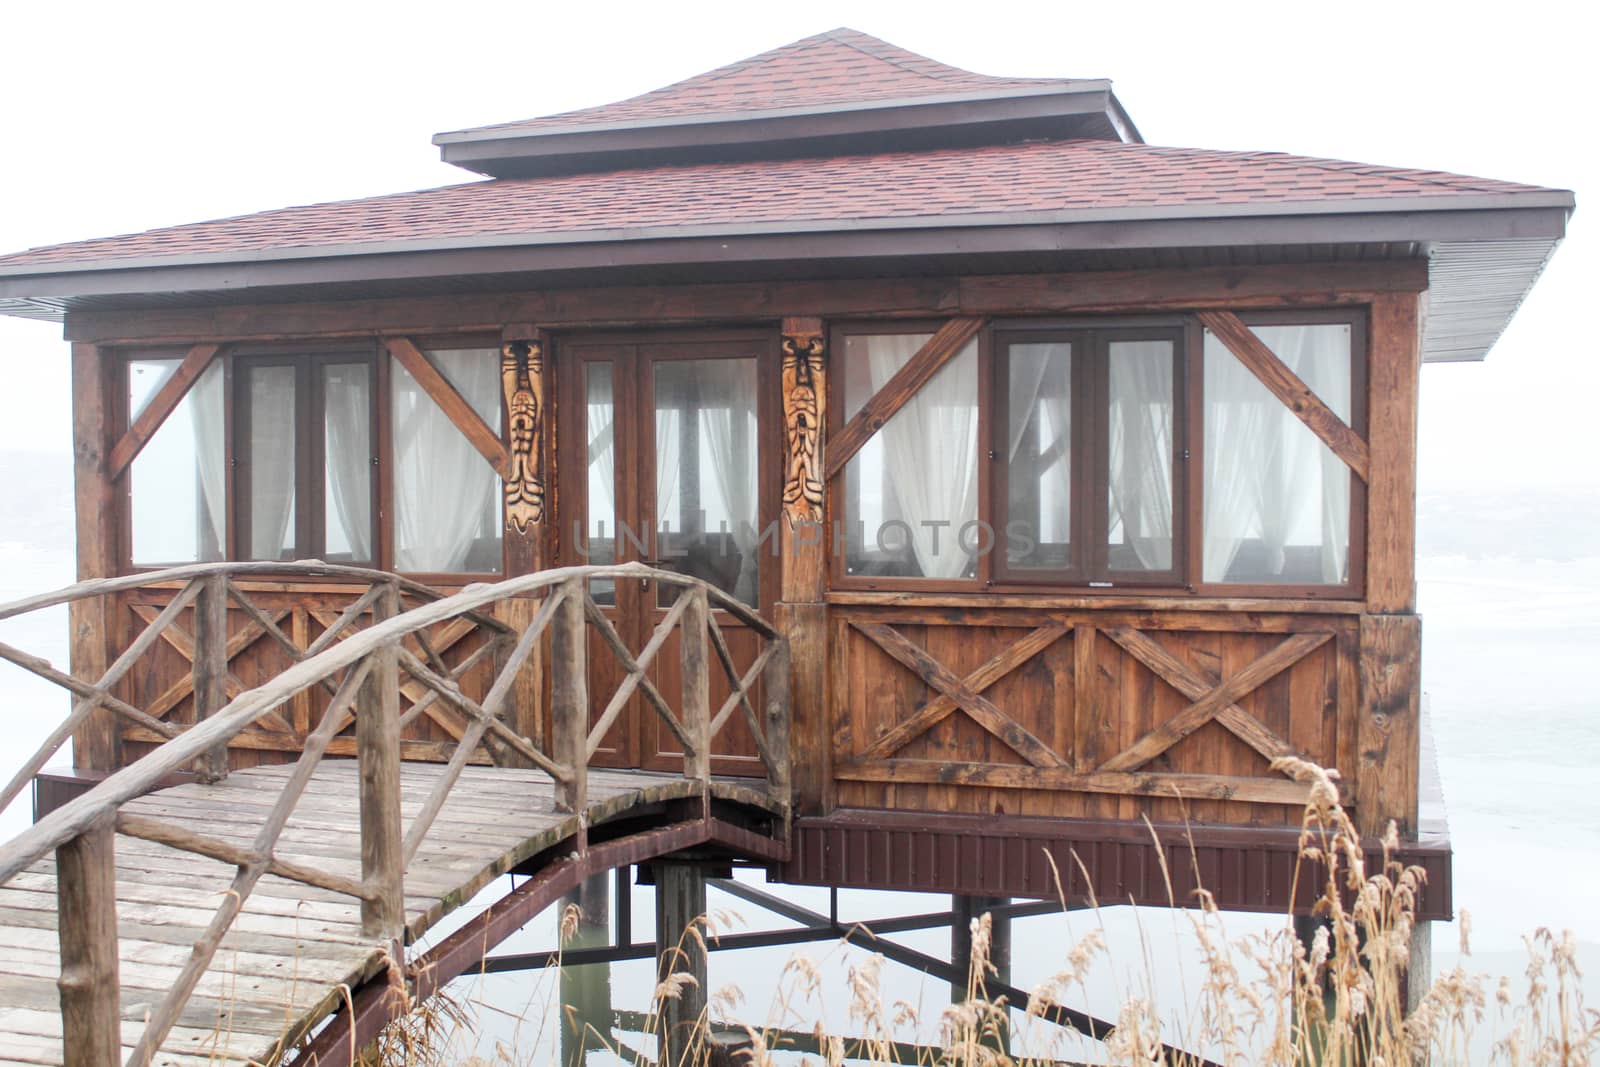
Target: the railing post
(569, 695)
(378, 755)
(211, 666)
(696, 709)
(86, 902)
(780, 776)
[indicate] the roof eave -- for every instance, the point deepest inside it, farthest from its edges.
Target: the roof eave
(1463, 227)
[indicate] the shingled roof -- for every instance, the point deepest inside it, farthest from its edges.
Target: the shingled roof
(840, 67)
(1056, 181)
(837, 154)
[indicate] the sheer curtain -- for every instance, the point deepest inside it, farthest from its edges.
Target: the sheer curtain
(601, 431)
(930, 453)
(727, 390)
(1267, 476)
(272, 462)
(444, 491)
(1039, 407)
(1141, 448)
(347, 418)
(207, 411)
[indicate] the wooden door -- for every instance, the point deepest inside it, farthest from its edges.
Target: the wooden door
(669, 459)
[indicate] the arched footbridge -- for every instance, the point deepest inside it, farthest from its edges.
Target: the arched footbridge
(269, 914)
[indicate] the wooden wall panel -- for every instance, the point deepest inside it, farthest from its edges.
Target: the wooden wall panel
(1087, 699)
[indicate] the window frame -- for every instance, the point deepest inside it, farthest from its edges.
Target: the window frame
(1089, 524)
(308, 358)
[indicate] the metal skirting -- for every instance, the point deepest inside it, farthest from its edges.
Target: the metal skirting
(1244, 868)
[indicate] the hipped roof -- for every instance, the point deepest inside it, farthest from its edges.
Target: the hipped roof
(836, 192)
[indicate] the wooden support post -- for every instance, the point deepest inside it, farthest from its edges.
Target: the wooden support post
(696, 711)
(1419, 972)
(1394, 366)
(211, 667)
(378, 756)
(97, 743)
(780, 776)
(569, 696)
(586, 988)
(801, 613)
(86, 901)
(680, 901)
(964, 910)
(1388, 733)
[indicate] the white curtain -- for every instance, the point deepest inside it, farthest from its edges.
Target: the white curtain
(1041, 378)
(1141, 448)
(347, 417)
(727, 394)
(211, 460)
(930, 453)
(272, 462)
(444, 489)
(1268, 477)
(601, 431)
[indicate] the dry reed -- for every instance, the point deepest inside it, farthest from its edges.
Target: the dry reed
(1266, 998)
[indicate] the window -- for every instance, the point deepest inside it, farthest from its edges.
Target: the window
(446, 498)
(911, 502)
(1277, 500)
(1083, 455)
(178, 510)
(305, 476)
(1100, 455)
(275, 456)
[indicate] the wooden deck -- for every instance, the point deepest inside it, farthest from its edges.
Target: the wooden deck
(285, 958)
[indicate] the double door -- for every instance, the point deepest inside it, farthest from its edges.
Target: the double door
(666, 445)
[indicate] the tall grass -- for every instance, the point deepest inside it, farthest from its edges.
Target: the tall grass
(1265, 998)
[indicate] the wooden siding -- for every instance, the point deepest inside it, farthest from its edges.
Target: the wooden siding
(1057, 712)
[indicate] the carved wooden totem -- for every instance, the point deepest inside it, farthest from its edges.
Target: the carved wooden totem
(803, 394)
(522, 380)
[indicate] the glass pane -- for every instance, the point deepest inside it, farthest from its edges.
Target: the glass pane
(270, 392)
(911, 494)
(446, 496)
(707, 465)
(1139, 504)
(179, 485)
(1277, 500)
(1038, 528)
(599, 542)
(347, 478)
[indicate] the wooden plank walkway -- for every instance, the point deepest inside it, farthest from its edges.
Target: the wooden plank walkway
(282, 964)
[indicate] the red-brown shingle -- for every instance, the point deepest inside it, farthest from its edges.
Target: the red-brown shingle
(839, 67)
(939, 186)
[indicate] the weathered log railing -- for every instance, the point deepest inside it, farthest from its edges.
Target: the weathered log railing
(362, 671)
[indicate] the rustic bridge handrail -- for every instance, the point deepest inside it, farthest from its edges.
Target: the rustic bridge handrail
(362, 672)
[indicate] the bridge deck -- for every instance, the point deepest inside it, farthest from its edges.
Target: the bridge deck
(282, 963)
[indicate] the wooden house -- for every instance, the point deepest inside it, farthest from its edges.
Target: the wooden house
(1079, 473)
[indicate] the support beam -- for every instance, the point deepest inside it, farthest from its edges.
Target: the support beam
(569, 695)
(586, 988)
(1394, 367)
(931, 358)
(97, 743)
(160, 406)
(801, 614)
(1286, 385)
(452, 403)
(86, 899)
(680, 901)
(1389, 732)
(964, 911)
(383, 912)
(210, 668)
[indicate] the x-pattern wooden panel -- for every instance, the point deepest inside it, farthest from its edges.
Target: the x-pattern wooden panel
(1213, 698)
(964, 693)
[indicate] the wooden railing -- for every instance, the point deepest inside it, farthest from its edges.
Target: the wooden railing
(362, 671)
